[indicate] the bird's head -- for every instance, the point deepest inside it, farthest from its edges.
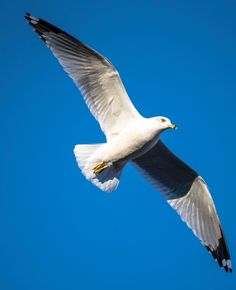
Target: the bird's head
(164, 123)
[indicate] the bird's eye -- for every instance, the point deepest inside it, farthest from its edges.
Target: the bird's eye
(163, 120)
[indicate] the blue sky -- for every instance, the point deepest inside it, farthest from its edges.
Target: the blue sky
(59, 232)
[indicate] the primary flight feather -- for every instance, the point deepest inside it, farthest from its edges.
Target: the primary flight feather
(132, 138)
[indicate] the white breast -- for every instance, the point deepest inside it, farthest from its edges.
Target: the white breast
(136, 139)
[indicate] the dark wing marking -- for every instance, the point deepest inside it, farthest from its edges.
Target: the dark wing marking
(188, 194)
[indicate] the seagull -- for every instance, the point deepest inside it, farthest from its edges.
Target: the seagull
(131, 138)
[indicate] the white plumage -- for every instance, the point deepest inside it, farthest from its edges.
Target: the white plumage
(132, 138)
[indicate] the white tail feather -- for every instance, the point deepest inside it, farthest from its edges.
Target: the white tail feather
(108, 179)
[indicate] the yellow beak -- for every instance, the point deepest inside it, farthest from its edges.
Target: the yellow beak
(172, 126)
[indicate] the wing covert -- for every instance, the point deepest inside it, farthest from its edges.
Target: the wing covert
(97, 79)
(188, 194)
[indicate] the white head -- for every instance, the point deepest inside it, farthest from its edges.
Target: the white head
(164, 123)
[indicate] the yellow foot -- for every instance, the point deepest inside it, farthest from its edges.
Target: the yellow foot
(101, 166)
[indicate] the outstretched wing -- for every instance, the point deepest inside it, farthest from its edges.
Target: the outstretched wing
(97, 79)
(188, 194)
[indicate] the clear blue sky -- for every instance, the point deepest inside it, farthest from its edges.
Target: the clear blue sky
(59, 232)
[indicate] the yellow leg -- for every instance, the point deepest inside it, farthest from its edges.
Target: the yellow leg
(101, 166)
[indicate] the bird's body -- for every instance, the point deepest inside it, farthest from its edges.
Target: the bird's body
(136, 139)
(132, 138)
(133, 141)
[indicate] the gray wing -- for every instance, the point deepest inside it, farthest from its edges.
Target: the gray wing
(95, 76)
(188, 194)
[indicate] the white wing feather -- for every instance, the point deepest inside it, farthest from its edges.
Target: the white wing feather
(97, 79)
(106, 97)
(188, 194)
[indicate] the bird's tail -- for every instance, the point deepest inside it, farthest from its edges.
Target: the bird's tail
(106, 176)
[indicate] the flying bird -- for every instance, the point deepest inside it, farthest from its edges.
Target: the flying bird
(132, 138)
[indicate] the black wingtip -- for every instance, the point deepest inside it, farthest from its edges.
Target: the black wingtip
(221, 254)
(39, 25)
(42, 27)
(29, 17)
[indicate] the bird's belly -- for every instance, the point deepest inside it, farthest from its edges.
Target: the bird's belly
(129, 145)
(136, 152)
